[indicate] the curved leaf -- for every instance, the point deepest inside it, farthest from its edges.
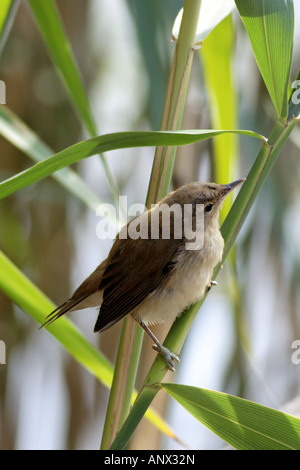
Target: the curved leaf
(104, 143)
(241, 423)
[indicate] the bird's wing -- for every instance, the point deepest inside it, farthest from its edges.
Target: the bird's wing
(127, 281)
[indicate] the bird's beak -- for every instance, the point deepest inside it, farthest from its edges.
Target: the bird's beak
(229, 187)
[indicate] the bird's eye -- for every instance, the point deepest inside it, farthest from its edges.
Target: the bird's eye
(208, 208)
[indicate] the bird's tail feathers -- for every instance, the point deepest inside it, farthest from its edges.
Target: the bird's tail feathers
(61, 310)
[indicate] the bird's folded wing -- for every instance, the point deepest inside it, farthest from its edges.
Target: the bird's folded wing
(135, 270)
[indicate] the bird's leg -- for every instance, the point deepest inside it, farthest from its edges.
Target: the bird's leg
(167, 355)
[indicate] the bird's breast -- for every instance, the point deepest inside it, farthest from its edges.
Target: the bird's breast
(186, 284)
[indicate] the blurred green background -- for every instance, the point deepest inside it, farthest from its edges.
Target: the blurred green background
(241, 341)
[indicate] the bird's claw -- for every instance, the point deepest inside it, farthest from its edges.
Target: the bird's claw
(167, 355)
(211, 283)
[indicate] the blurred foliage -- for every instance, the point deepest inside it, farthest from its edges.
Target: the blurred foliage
(251, 319)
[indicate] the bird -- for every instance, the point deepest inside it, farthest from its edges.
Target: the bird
(160, 263)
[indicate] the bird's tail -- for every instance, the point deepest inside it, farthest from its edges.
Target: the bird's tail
(88, 294)
(67, 306)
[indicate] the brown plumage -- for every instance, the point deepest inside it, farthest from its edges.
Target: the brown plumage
(155, 279)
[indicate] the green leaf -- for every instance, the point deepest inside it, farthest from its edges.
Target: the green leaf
(243, 424)
(52, 29)
(104, 143)
(15, 131)
(216, 55)
(270, 26)
(212, 12)
(8, 10)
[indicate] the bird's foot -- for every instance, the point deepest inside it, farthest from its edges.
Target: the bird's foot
(167, 355)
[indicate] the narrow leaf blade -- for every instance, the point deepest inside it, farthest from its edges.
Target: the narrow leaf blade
(51, 27)
(8, 10)
(107, 142)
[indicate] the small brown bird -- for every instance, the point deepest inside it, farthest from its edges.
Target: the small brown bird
(160, 263)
